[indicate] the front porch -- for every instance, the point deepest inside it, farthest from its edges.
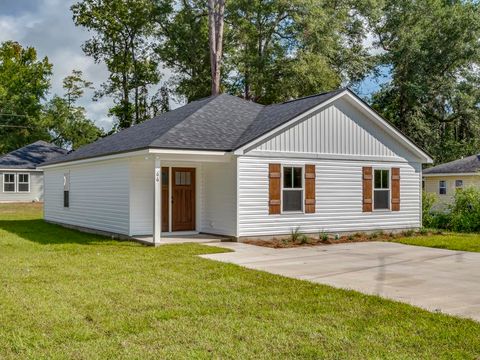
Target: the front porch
(180, 198)
(182, 239)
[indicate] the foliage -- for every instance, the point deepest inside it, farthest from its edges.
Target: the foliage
(433, 52)
(24, 83)
(67, 123)
(465, 211)
(428, 200)
(123, 31)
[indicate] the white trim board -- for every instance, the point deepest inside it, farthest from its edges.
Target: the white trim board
(451, 174)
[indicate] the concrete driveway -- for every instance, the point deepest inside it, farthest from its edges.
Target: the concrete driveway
(434, 279)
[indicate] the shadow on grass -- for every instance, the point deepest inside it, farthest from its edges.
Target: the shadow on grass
(41, 232)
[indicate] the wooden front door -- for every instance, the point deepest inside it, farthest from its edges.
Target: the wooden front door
(165, 199)
(183, 199)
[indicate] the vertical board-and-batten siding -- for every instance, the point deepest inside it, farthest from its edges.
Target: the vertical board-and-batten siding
(338, 129)
(99, 196)
(36, 187)
(339, 140)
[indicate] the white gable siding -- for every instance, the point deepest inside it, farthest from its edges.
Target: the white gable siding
(36, 188)
(99, 196)
(339, 129)
(338, 198)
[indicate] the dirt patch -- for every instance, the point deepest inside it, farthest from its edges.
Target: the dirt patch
(301, 240)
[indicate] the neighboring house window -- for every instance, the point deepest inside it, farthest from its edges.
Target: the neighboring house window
(459, 184)
(292, 191)
(381, 189)
(9, 182)
(442, 187)
(23, 184)
(66, 190)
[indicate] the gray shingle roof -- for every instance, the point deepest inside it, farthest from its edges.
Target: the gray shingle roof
(469, 164)
(30, 156)
(223, 123)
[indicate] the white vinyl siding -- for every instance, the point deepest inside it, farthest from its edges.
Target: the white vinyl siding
(35, 187)
(99, 196)
(338, 198)
(219, 207)
(339, 129)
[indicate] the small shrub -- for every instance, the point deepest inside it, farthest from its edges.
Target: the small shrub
(465, 211)
(428, 200)
(408, 233)
(295, 234)
(423, 231)
(373, 235)
(323, 236)
(358, 235)
(337, 236)
(303, 239)
(351, 237)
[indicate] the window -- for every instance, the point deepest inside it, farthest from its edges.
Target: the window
(292, 192)
(442, 187)
(183, 178)
(66, 190)
(459, 184)
(23, 183)
(381, 189)
(9, 182)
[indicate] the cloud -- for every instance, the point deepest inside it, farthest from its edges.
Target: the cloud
(47, 25)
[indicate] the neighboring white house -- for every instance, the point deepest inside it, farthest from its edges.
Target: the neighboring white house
(20, 180)
(227, 166)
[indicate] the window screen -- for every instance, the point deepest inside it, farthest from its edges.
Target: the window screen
(381, 190)
(292, 192)
(9, 182)
(442, 187)
(23, 182)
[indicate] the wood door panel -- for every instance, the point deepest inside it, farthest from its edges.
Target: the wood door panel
(183, 199)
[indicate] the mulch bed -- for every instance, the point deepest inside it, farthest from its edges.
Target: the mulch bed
(308, 240)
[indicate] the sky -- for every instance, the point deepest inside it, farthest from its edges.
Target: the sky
(47, 25)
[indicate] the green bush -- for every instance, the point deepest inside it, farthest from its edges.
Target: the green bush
(428, 199)
(465, 211)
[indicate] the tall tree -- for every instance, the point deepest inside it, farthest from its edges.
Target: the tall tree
(216, 10)
(24, 83)
(66, 121)
(184, 48)
(433, 50)
(122, 39)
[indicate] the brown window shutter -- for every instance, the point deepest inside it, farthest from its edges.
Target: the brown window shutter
(395, 189)
(367, 189)
(309, 189)
(274, 174)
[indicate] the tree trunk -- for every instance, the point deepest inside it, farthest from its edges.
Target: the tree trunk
(216, 10)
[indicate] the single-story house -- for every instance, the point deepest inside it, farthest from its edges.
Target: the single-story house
(20, 178)
(443, 180)
(224, 165)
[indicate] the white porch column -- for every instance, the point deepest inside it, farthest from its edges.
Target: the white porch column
(157, 202)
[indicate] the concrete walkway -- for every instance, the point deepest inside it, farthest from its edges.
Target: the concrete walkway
(434, 279)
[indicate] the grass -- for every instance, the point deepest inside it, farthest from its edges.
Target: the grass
(65, 294)
(451, 241)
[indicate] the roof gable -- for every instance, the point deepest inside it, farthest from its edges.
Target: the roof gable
(216, 123)
(470, 164)
(30, 156)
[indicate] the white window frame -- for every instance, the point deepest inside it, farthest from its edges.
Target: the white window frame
(389, 189)
(441, 187)
(302, 189)
(14, 183)
(459, 187)
(18, 182)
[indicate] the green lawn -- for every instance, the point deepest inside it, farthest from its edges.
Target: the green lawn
(464, 242)
(64, 294)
